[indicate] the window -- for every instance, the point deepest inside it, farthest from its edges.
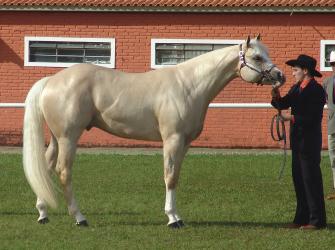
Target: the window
(326, 47)
(64, 52)
(168, 52)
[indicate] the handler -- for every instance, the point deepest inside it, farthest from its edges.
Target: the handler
(306, 99)
(328, 85)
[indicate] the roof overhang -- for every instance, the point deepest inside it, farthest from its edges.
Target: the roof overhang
(171, 9)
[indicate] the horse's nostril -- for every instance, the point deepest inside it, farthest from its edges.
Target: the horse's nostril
(281, 77)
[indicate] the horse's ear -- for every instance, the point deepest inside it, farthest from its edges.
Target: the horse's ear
(258, 38)
(248, 42)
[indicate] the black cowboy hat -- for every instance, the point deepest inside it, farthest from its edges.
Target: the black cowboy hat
(306, 62)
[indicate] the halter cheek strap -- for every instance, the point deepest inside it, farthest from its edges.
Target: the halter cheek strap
(265, 74)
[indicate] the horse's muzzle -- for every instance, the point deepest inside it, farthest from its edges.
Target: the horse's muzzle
(280, 79)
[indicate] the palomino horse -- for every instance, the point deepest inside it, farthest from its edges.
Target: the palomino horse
(167, 105)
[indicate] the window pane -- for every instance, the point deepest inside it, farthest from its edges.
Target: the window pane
(98, 46)
(70, 52)
(42, 44)
(169, 57)
(34, 58)
(329, 48)
(170, 54)
(70, 45)
(169, 46)
(100, 60)
(97, 52)
(170, 61)
(42, 51)
(207, 47)
(65, 59)
(191, 54)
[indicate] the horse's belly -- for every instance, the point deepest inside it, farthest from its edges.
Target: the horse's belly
(132, 130)
(137, 133)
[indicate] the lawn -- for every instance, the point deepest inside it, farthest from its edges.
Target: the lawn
(226, 202)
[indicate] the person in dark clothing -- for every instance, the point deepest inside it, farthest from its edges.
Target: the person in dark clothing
(306, 99)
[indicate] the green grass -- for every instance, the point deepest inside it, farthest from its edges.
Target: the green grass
(227, 202)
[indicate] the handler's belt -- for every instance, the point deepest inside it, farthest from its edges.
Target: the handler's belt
(279, 124)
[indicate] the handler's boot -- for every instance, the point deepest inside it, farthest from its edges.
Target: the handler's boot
(292, 226)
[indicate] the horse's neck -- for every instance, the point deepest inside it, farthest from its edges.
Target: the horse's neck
(208, 74)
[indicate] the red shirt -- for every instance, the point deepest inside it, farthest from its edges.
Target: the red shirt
(304, 83)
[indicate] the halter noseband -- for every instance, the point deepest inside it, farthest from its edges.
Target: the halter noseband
(266, 74)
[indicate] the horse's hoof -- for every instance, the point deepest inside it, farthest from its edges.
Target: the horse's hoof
(176, 225)
(43, 221)
(82, 223)
(181, 223)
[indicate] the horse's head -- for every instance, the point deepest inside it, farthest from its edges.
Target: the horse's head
(255, 66)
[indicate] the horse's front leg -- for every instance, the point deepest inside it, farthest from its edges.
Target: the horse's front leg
(174, 152)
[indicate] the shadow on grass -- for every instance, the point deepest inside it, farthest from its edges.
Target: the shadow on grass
(330, 226)
(113, 213)
(226, 224)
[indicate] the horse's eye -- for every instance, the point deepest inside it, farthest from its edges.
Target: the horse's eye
(258, 58)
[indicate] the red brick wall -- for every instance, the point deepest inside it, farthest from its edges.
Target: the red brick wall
(286, 36)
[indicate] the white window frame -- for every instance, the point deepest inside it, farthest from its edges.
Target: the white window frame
(28, 39)
(323, 44)
(154, 41)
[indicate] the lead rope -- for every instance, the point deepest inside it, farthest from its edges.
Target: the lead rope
(281, 136)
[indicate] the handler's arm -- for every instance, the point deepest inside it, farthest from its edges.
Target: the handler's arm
(281, 102)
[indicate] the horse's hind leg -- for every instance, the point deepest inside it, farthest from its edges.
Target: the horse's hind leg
(174, 152)
(51, 158)
(67, 150)
(52, 153)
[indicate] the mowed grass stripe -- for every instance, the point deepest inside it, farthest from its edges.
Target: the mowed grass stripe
(226, 201)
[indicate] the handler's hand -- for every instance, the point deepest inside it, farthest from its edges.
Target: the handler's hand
(275, 93)
(286, 116)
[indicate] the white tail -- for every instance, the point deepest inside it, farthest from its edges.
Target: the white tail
(34, 162)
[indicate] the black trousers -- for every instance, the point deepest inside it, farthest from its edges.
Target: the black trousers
(308, 186)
